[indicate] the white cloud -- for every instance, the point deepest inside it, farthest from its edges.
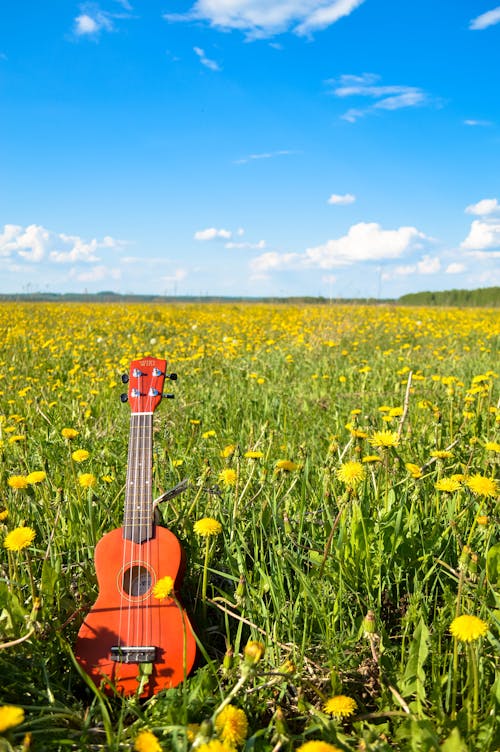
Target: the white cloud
(265, 155)
(388, 97)
(341, 199)
(247, 246)
(473, 122)
(89, 25)
(211, 233)
(364, 242)
(484, 207)
(204, 60)
(35, 243)
(177, 276)
(455, 268)
(426, 265)
(262, 18)
(490, 18)
(483, 235)
(273, 261)
(96, 274)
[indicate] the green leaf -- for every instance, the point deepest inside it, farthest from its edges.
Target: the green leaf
(454, 742)
(414, 677)
(493, 565)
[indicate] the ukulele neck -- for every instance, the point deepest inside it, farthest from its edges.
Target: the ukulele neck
(138, 515)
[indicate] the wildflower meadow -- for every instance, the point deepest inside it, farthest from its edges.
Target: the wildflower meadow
(338, 508)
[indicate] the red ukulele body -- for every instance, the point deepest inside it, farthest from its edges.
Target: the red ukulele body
(131, 641)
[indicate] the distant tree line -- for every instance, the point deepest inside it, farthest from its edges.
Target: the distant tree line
(486, 297)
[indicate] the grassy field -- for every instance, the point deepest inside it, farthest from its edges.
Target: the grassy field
(350, 456)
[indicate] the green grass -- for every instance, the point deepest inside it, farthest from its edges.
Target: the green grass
(303, 558)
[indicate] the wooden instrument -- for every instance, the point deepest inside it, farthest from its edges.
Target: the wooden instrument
(131, 641)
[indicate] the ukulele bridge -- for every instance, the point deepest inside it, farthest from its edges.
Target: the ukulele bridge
(133, 654)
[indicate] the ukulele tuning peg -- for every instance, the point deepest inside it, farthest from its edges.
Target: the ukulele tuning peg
(172, 376)
(124, 397)
(169, 396)
(125, 378)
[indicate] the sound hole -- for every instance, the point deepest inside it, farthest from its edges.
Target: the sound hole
(137, 580)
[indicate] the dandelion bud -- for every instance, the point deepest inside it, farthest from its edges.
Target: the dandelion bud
(253, 652)
(369, 624)
(227, 662)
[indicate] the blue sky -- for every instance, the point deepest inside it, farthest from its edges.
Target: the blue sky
(341, 148)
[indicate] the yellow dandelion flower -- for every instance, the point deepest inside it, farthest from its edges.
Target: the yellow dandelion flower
(10, 716)
(228, 451)
(163, 588)
(4, 513)
(207, 527)
(69, 433)
(214, 745)
(253, 651)
(450, 485)
(318, 746)
(80, 455)
(351, 473)
(384, 439)
(37, 476)
(16, 438)
(492, 446)
(19, 538)
(232, 725)
(286, 465)
(254, 455)
(482, 485)
(195, 422)
(87, 480)
(340, 706)
(368, 458)
(146, 741)
(414, 470)
(482, 519)
(208, 434)
(228, 476)
(17, 481)
(441, 454)
(108, 478)
(468, 628)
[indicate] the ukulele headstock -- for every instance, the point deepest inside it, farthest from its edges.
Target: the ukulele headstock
(145, 384)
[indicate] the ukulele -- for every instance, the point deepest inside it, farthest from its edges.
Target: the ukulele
(131, 642)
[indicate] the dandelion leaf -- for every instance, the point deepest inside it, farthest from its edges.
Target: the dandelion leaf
(414, 676)
(454, 743)
(493, 565)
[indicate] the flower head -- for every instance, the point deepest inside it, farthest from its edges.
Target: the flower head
(228, 476)
(4, 513)
(441, 454)
(69, 433)
(19, 538)
(286, 465)
(163, 588)
(87, 480)
(214, 745)
(468, 628)
(17, 481)
(254, 455)
(384, 439)
(80, 455)
(340, 706)
(36, 477)
(228, 451)
(146, 741)
(351, 473)
(207, 527)
(482, 485)
(253, 652)
(10, 716)
(232, 725)
(492, 446)
(414, 470)
(317, 746)
(447, 484)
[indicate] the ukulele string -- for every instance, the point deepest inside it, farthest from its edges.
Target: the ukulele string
(126, 531)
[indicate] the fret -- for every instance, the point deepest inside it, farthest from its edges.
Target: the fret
(138, 512)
